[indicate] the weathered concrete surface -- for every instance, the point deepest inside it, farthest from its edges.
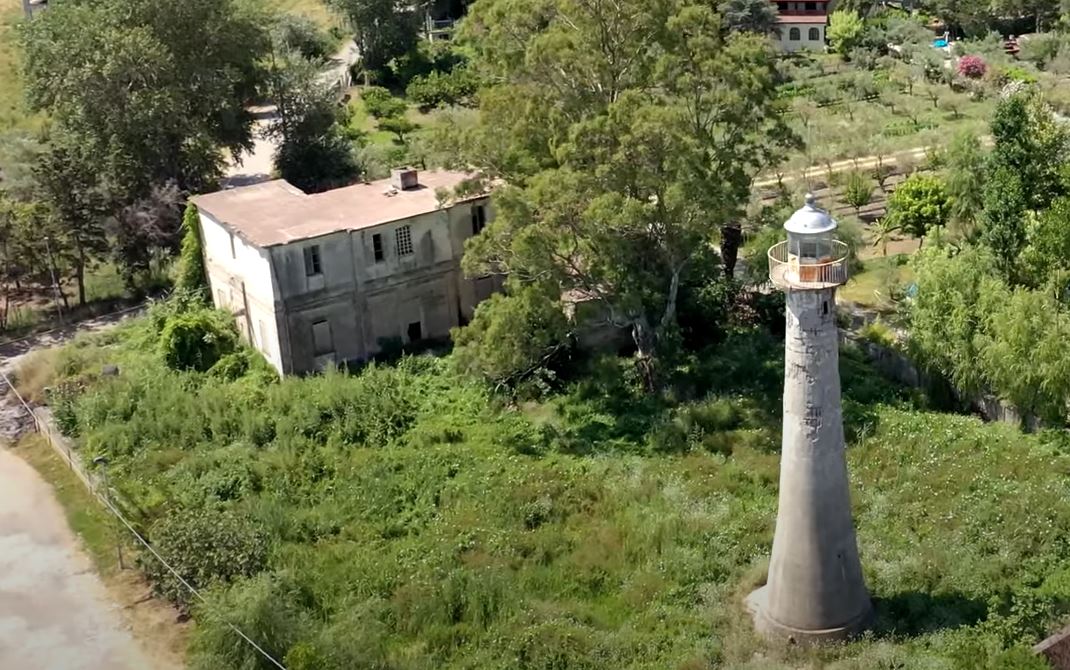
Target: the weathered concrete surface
(815, 589)
(54, 611)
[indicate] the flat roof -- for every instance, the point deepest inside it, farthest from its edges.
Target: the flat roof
(276, 212)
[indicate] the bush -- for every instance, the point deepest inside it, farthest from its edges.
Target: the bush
(442, 89)
(381, 103)
(973, 67)
(207, 547)
(301, 34)
(197, 340)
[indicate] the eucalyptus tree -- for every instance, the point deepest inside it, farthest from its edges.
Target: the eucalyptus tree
(629, 132)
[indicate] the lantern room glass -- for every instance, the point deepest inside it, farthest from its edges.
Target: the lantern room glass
(810, 248)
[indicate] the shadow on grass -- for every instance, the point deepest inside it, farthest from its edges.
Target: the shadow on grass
(912, 613)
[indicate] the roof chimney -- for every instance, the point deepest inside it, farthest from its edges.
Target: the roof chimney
(404, 178)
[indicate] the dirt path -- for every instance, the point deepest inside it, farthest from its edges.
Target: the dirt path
(55, 613)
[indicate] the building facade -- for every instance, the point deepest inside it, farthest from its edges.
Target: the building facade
(801, 25)
(335, 277)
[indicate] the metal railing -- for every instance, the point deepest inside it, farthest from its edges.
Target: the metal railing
(788, 270)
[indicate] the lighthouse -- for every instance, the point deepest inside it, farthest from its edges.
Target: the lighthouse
(815, 591)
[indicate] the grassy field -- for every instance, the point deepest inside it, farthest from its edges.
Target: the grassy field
(879, 281)
(411, 521)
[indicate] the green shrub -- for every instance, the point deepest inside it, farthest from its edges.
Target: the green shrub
(207, 547)
(197, 340)
(381, 103)
(439, 89)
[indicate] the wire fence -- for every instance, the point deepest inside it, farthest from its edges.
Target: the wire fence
(62, 446)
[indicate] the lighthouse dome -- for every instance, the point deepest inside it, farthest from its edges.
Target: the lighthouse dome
(810, 219)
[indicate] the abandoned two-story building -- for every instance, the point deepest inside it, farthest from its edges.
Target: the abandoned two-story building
(327, 278)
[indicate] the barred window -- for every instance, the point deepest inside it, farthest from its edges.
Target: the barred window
(403, 237)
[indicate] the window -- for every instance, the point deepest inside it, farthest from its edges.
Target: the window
(220, 298)
(403, 237)
(479, 219)
(815, 35)
(415, 332)
(811, 6)
(793, 35)
(313, 266)
(322, 343)
(377, 247)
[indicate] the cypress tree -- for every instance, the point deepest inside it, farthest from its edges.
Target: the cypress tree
(191, 278)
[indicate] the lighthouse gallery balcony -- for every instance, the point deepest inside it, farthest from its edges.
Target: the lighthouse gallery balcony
(788, 270)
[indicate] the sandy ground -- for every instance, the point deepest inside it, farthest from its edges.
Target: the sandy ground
(55, 613)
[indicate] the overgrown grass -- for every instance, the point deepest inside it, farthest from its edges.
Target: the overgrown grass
(413, 522)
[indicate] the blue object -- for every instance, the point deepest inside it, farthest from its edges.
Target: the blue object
(940, 43)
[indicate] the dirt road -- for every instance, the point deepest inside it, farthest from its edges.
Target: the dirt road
(55, 613)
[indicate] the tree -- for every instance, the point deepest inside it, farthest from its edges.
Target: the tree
(1032, 144)
(845, 31)
(139, 88)
(381, 103)
(1003, 221)
(1023, 352)
(883, 232)
(756, 16)
(919, 203)
(144, 230)
(384, 29)
(965, 180)
(858, 191)
(944, 319)
(512, 337)
(400, 126)
(191, 274)
(300, 34)
(67, 183)
(1047, 249)
(314, 152)
(627, 146)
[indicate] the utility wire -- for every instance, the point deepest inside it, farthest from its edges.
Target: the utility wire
(106, 500)
(118, 514)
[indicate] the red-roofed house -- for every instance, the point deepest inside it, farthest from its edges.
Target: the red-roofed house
(801, 25)
(328, 278)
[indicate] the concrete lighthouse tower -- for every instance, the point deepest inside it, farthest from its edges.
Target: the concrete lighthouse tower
(815, 591)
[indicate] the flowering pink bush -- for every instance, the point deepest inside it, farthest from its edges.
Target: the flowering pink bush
(972, 66)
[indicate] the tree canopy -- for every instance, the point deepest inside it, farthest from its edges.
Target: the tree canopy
(629, 132)
(150, 91)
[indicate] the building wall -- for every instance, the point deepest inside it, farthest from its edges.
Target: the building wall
(364, 303)
(786, 44)
(240, 279)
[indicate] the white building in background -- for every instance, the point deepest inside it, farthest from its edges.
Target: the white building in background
(801, 25)
(333, 277)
